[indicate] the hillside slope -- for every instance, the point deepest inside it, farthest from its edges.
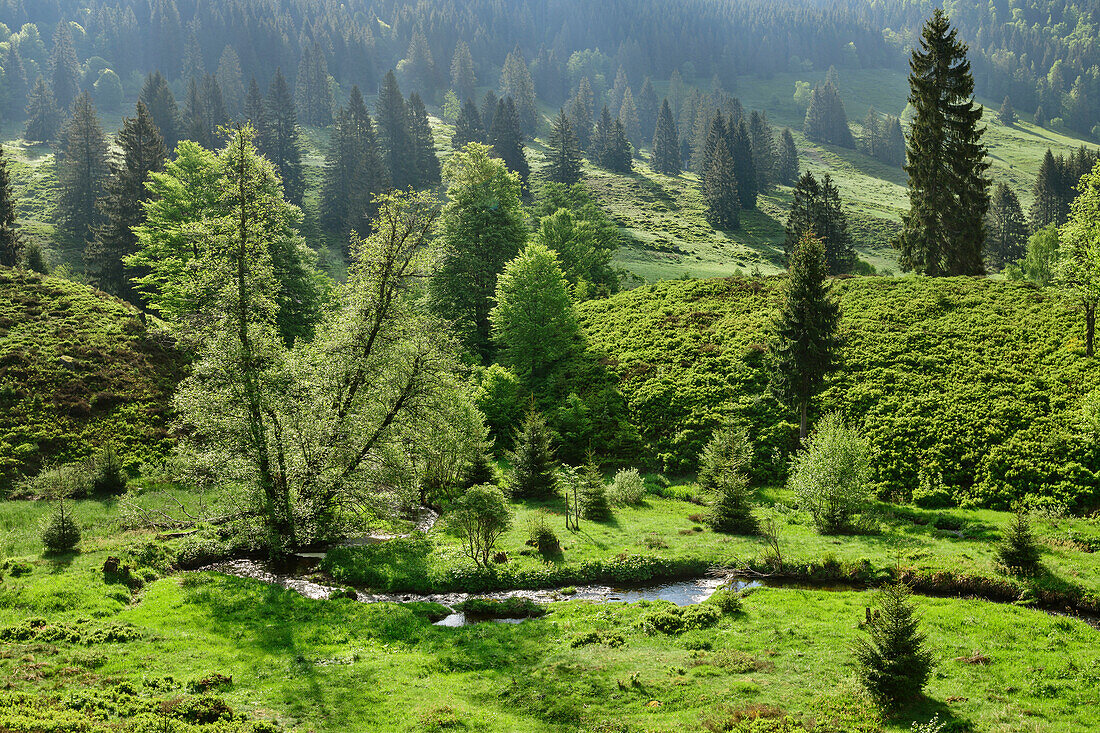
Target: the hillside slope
(78, 370)
(983, 381)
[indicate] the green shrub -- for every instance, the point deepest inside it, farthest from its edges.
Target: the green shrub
(61, 532)
(541, 537)
(108, 476)
(664, 620)
(593, 493)
(728, 602)
(513, 607)
(627, 488)
(480, 517)
(831, 477)
(701, 616)
(533, 469)
(931, 493)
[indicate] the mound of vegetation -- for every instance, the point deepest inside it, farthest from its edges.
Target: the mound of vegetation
(78, 371)
(976, 387)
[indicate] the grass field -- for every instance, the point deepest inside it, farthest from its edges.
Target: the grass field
(117, 656)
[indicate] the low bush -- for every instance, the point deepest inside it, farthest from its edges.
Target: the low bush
(671, 619)
(607, 638)
(831, 477)
(728, 602)
(542, 537)
(513, 607)
(61, 532)
(627, 488)
(1018, 552)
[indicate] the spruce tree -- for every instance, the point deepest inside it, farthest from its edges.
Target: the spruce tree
(628, 115)
(11, 240)
(816, 210)
(580, 110)
(787, 161)
(16, 85)
(871, 139)
(763, 150)
(488, 110)
(140, 152)
(563, 155)
(804, 212)
(392, 118)
(158, 99)
(893, 142)
(193, 66)
(279, 141)
(666, 143)
(601, 136)
(313, 94)
(804, 342)
(944, 230)
(1018, 552)
(826, 120)
(744, 167)
(533, 474)
(64, 67)
(1049, 205)
(354, 171)
(81, 171)
(720, 191)
(468, 127)
(618, 154)
(516, 82)
(1040, 119)
(723, 474)
(593, 493)
(231, 82)
(254, 113)
(423, 144)
(1006, 230)
(893, 661)
(648, 107)
(43, 116)
(506, 138)
(463, 79)
(1007, 115)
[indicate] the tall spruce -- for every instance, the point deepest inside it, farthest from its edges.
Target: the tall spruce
(533, 475)
(720, 189)
(11, 239)
(81, 171)
(425, 160)
(254, 113)
(944, 230)
(392, 117)
(313, 95)
(161, 104)
(468, 127)
(64, 67)
(564, 154)
(648, 107)
(804, 343)
(463, 79)
(279, 139)
(826, 120)
(666, 143)
(205, 112)
(488, 109)
(231, 82)
(581, 109)
(139, 152)
(506, 138)
(16, 84)
(786, 167)
(892, 144)
(628, 115)
(355, 172)
(871, 138)
(816, 210)
(516, 82)
(618, 154)
(1006, 230)
(43, 116)
(1007, 115)
(740, 147)
(763, 150)
(1049, 205)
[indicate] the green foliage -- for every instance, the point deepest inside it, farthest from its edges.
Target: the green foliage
(627, 488)
(1040, 264)
(499, 397)
(564, 165)
(1079, 251)
(666, 618)
(831, 477)
(816, 210)
(61, 533)
(514, 607)
(1018, 551)
(723, 473)
(11, 241)
(726, 601)
(533, 473)
(542, 537)
(893, 661)
(593, 493)
(825, 118)
(533, 321)
(479, 517)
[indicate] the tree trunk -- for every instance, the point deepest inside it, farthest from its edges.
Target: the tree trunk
(803, 420)
(1090, 326)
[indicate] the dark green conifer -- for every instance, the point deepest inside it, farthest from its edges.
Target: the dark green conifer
(944, 230)
(43, 116)
(816, 210)
(804, 342)
(506, 139)
(1018, 552)
(744, 167)
(581, 109)
(787, 163)
(425, 159)
(826, 120)
(601, 136)
(279, 139)
(648, 106)
(1006, 230)
(158, 99)
(762, 145)
(392, 118)
(871, 139)
(893, 662)
(1040, 119)
(254, 113)
(593, 493)
(468, 127)
(1049, 205)
(533, 470)
(564, 154)
(64, 67)
(720, 192)
(81, 171)
(140, 152)
(16, 86)
(1007, 115)
(11, 240)
(619, 153)
(723, 474)
(666, 143)
(354, 171)
(488, 110)
(892, 144)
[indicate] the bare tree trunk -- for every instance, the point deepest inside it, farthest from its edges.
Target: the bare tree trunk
(1090, 326)
(803, 420)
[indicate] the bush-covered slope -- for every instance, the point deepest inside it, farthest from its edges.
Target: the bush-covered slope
(981, 380)
(77, 371)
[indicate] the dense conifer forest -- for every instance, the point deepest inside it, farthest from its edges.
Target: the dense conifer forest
(724, 365)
